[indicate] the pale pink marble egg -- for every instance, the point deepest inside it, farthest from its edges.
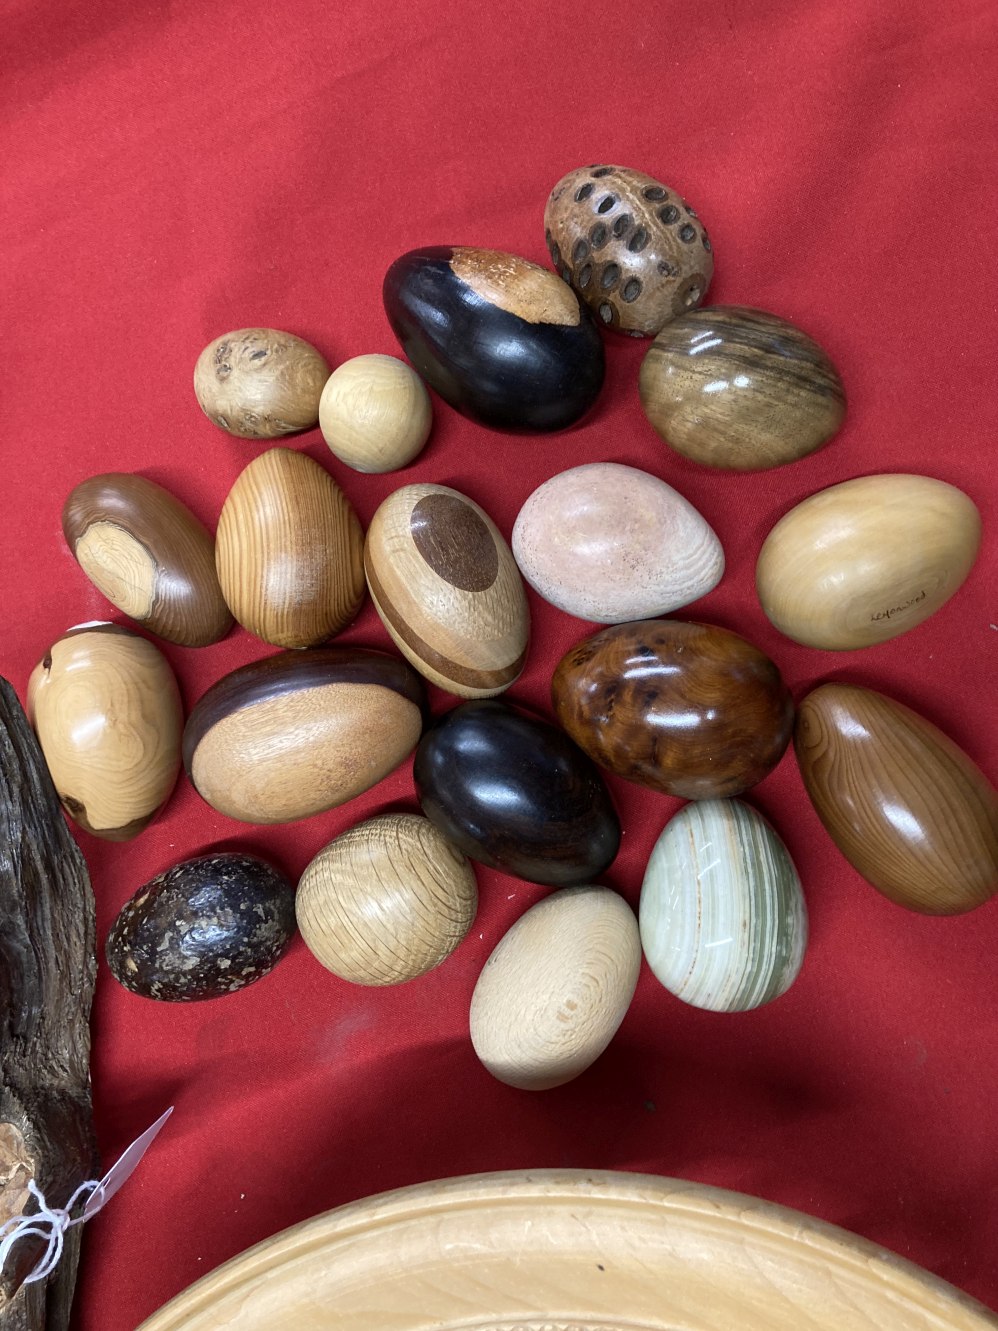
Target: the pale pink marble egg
(610, 543)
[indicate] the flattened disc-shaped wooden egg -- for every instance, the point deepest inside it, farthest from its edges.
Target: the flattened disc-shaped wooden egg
(516, 794)
(552, 995)
(612, 543)
(448, 590)
(148, 554)
(299, 733)
(106, 708)
(722, 915)
(907, 808)
(207, 927)
(501, 339)
(688, 709)
(260, 383)
(375, 413)
(387, 901)
(289, 551)
(866, 560)
(740, 389)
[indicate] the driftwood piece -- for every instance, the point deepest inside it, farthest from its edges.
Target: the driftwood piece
(47, 971)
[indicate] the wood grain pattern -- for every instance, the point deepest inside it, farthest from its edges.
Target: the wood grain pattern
(260, 383)
(289, 550)
(905, 805)
(375, 413)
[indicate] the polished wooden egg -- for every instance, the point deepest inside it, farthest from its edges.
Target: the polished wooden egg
(375, 413)
(260, 383)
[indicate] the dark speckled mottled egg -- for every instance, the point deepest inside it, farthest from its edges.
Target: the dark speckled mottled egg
(206, 927)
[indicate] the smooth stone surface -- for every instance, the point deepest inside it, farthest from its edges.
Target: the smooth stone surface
(687, 709)
(375, 413)
(149, 555)
(553, 993)
(448, 590)
(867, 560)
(298, 733)
(260, 383)
(501, 339)
(209, 926)
(630, 247)
(611, 543)
(906, 806)
(516, 794)
(386, 901)
(722, 914)
(740, 389)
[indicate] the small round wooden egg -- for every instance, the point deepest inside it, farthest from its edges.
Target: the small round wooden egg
(260, 383)
(387, 901)
(555, 990)
(375, 413)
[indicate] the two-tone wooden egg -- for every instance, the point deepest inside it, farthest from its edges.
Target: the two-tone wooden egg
(375, 413)
(260, 383)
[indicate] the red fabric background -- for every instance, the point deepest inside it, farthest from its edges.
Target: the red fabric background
(173, 171)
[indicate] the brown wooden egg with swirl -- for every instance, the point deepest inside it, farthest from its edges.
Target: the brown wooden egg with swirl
(260, 383)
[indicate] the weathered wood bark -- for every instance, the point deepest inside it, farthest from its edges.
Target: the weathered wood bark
(47, 971)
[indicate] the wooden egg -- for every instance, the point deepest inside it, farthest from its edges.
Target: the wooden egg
(499, 338)
(289, 551)
(375, 413)
(740, 389)
(259, 383)
(106, 708)
(206, 927)
(632, 249)
(387, 901)
(298, 733)
(907, 808)
(448, 590)
(516, 794)
(866, 560)
(687, 709)
(149, 555)
(552, 995)
(722, 915)
(612, 543)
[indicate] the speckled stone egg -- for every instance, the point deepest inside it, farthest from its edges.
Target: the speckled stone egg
(206, 927)
(631, 248)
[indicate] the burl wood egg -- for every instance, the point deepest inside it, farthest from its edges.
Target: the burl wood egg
(298, 733)
(260, 383)
(289, 551)
(499, 338)
(375, 413)
(632, 249)
(209, 926)
(688, 709)
(866, 560)
(149, 555)
(106, 708)
(556, 988)
(906, 806)
(448, 590)
(740, 389)
(386, 901)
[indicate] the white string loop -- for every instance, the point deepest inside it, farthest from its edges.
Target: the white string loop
(49, 1223)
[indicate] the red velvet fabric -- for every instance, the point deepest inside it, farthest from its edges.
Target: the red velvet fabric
(173, 171)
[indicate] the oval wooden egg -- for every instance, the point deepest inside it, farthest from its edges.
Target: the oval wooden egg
(722, 915)
(289, 551)
(552, 995)
(501, 339)
(687, 709)
(298, 733)
(149, 555)
(611, 543)
(740, 389)
(375, 413)
(632, 249)
(907, 808)
(516, 794)
(260, 383)
(206, 927)
(387, 901)
(448, 590)
(106, 708)
(866, 560)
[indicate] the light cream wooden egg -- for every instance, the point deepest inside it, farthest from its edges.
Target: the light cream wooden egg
(375, 413)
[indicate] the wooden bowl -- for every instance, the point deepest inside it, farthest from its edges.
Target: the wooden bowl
(568, 1251)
